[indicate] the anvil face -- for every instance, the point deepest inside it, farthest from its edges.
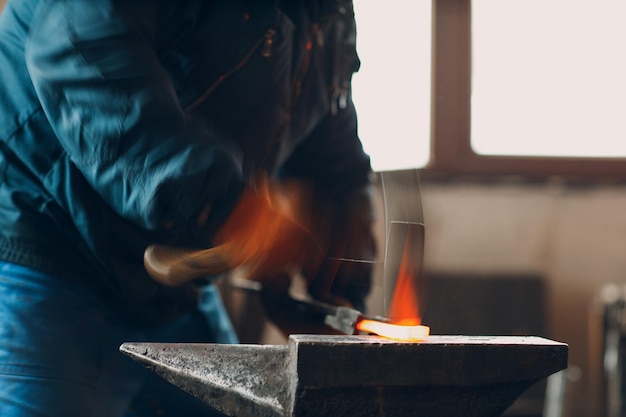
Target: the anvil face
(314, 375)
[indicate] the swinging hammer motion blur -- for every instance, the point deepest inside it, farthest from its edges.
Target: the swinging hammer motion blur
(148, 147)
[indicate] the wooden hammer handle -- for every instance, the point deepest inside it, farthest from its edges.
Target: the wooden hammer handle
(175, 266)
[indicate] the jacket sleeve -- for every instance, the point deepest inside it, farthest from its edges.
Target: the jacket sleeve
(115, 112)
(333, 155)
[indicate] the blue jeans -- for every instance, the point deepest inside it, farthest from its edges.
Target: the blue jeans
(59, 352)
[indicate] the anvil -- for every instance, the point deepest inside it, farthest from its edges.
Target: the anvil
(347, 376)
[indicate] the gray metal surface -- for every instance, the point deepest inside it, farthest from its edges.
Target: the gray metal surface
(314, 375)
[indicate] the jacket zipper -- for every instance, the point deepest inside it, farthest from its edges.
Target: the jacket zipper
(267, 41)
(316, 34)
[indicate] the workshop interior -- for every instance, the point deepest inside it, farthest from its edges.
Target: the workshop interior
(519, 253)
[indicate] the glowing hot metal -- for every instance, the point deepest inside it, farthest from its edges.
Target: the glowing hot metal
(401, 332)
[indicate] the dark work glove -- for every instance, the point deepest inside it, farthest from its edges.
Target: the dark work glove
(338, 275)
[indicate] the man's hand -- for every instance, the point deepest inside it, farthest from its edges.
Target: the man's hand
(274, 228)
(277, 229)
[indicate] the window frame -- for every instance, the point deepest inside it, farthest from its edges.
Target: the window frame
(451, 153)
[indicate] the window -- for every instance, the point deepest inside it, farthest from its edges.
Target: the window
(528, 88)
(548, 77)
(392, 89)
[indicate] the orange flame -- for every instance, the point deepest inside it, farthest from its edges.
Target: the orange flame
(405, 319)
(404, 304)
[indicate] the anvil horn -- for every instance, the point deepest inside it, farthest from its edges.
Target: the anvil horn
(238, 380)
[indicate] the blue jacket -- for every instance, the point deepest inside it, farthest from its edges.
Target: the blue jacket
(120, 121)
